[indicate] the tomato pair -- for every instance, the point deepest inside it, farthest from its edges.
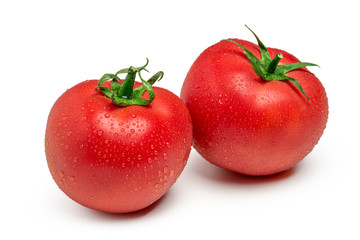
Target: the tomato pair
(117, 145)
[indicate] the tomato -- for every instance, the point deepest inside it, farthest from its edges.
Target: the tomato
(117, 157)
(255, 110)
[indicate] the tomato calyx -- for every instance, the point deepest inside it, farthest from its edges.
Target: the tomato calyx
(123, 93)
(268, 68)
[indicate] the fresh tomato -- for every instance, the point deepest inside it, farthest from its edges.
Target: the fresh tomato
(121, 148)
(255, 110)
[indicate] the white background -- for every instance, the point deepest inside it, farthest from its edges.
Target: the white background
(49, 46)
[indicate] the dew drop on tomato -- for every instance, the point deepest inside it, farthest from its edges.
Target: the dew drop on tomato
(61, 173)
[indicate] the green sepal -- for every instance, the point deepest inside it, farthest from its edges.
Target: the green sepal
(106, 77)
(292, 66)
(115, 85)
(268, 68)
(105, 90)
(122, 92)
(124, 70)
(147, 85)
(265, 56)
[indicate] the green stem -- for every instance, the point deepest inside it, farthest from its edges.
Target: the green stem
(123, 93)
(127, 87)
(274, 63)
(269, 69)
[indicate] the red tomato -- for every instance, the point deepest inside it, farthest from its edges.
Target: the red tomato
(246, 124)
(116, 159)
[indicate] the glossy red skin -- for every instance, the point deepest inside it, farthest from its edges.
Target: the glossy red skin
(116, 159)
(248, 125)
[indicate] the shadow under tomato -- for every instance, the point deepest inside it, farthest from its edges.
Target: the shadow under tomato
(237, 178)
(130, 215)
(215, 173)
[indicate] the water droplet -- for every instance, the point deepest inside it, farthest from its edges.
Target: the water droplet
(128, 135)
(132, 131)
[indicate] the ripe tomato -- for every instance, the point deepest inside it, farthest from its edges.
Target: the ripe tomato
(248, 119)
(117, 159)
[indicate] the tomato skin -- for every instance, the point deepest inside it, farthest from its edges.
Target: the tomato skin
(116, 159)
(245, 124)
